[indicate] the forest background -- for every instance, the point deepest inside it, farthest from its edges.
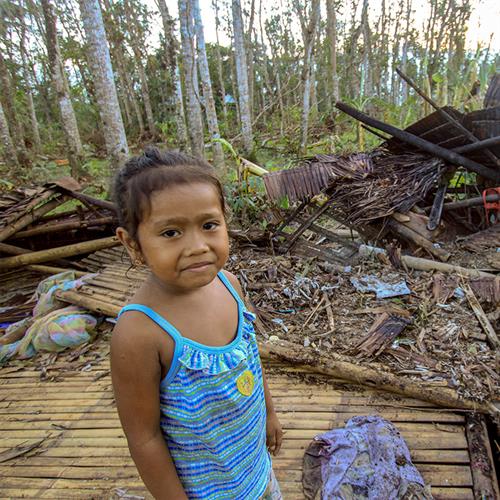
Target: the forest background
(85, 83)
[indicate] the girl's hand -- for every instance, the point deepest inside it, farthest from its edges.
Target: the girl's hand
(274, 433)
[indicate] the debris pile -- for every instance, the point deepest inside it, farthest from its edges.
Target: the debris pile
(48, 224)
(416, 187)
(419, 326)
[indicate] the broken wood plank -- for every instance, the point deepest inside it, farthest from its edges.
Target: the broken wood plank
(417, 239)
(381, 334)
(422, 144)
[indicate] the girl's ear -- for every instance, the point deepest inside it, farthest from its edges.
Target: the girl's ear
(131, 246)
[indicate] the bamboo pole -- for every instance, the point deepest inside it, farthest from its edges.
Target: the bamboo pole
(59, 252)
(420, 264)
(334, 365)
(55, 270)
(481, 316)
(30, 217)
(422, 144)
(14, 250)
(65, 226)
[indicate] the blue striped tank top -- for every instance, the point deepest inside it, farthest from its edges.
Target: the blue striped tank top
(213, 412)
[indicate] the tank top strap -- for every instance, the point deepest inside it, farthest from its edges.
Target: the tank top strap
(159, 320)
(231, 290)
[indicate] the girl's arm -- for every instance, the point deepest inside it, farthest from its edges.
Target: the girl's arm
(136, 374)
(274, 431)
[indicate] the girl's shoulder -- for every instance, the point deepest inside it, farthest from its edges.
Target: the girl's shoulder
(234, 282)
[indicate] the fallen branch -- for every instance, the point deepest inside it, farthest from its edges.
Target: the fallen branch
(15, 250)
(334, 366)
(59, 252)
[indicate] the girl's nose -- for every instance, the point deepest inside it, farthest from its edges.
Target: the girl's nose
(196, 244)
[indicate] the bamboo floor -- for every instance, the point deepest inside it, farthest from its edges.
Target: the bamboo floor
(71, 445)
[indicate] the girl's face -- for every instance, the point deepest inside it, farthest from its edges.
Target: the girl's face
(183, 240)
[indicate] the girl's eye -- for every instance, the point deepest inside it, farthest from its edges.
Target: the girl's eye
(210, 226)
(170, 233)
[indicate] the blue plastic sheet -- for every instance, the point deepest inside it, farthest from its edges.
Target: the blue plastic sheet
(382, 289)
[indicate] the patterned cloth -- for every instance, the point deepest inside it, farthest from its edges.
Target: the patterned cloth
(213, 413)
(273, 489)
(53, 326)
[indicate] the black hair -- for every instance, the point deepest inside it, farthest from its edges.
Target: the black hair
(152, 171)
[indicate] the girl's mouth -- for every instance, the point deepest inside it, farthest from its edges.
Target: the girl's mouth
(198, 267)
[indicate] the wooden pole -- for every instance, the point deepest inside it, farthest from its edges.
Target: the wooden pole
(336, 366)
(471, 202)
(59, 252)
(446, 115)
(55, 270)
(419, 264)
(424, 145)
(482, 466)
(468, 148)
(30, 217)
(65, 226)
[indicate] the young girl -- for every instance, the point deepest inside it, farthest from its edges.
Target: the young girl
(188, 382)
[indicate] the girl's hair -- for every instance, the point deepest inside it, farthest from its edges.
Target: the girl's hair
(152, 171)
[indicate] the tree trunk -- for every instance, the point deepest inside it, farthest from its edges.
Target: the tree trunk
(9, 153)
(220, 75)
(242, 78)
(107, 99)
(366, 86)
(61, 88)
(10, 114)
(172, 50)
(35, 131)
(331, 27)
(194, 117)
(137, 42)
(206, 85)
(309, 31)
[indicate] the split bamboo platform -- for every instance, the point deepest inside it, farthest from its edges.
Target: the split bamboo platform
(70, 444)
(60, 436)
